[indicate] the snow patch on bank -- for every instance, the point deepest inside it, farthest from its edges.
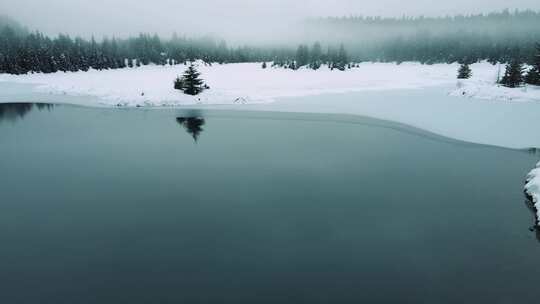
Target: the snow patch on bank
(533, 187)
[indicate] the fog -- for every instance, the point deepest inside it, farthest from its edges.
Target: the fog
(235, 20)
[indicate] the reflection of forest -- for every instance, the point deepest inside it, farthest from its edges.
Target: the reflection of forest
(192, 125)
(14, 111)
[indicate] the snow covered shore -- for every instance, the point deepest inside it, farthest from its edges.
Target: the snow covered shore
(233, 83)
(249, 83)
(533, 187)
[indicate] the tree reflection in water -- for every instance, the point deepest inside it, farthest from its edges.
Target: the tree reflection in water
(193, 125)
(14, 111)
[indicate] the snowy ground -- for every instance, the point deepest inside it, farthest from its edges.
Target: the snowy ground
(249, 83)
(234, 83)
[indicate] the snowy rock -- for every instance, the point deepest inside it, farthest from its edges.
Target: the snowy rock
(533, 187)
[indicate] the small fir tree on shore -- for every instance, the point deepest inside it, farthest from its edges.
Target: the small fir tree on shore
(464, 71)
(190, 83)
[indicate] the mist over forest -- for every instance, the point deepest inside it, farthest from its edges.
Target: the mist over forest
(497, 37)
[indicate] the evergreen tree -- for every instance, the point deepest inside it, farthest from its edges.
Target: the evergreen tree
(190, 83)
(264, 65)
(533, 75)
(316, 56)
(464, 71)
(302, 56)
(342, 59)
(178, 83)
(513, 76)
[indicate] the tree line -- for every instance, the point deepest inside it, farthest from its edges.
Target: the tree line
(498, 37)
(23, 52)
(314, 58)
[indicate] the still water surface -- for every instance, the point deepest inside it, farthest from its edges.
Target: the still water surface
(178, 206)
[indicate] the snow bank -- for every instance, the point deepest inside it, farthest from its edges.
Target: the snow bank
(249, 83)
(234, 83)
(533, 187)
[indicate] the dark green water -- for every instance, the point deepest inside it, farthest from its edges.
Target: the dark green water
(123, 206)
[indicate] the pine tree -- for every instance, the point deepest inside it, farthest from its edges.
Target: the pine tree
(513, 76)
(464, 71)
(316, 56)
(190, 83)
(533, 75)
(264, 65)
(178, 83)
(342, 59)
(302, 56)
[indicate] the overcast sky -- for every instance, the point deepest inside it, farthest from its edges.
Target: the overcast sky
(222, 17)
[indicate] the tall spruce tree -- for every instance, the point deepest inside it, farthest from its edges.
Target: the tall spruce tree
(464, 71)
(513, 76)
(533, 75)
(302, 56)
(316, 56)
(342, 58)
(190, 83)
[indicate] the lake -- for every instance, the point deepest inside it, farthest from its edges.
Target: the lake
(105, 205)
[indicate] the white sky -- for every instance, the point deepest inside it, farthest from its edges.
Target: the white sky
(233, 18)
